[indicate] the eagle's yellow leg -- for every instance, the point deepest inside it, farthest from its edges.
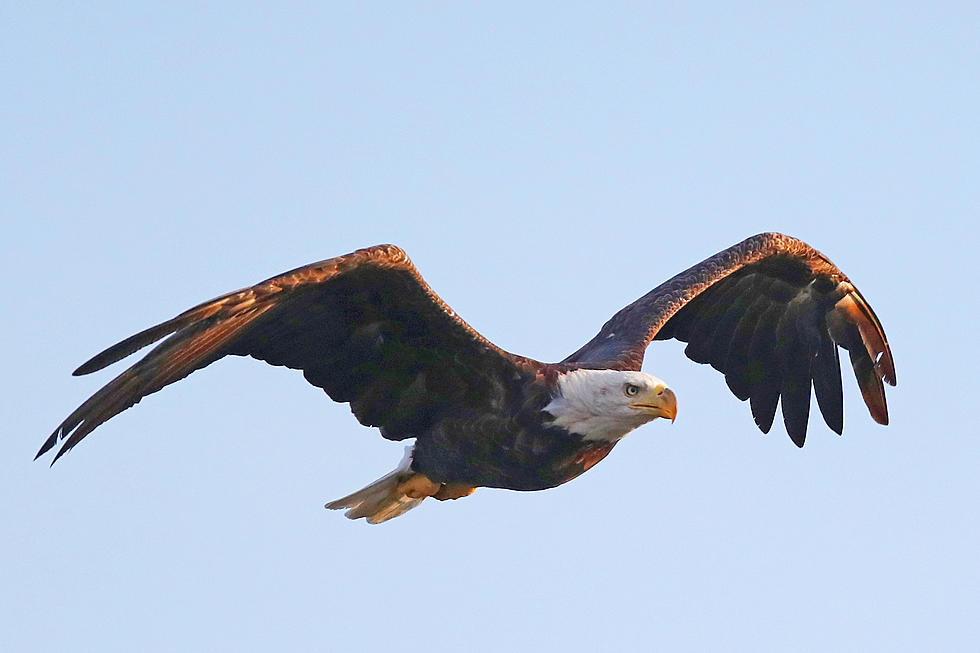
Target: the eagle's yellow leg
(454, 491)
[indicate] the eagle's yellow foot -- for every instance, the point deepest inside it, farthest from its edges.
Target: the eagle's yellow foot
(454, 491)
(418, 486)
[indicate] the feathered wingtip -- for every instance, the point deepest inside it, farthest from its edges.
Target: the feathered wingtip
(196, 342)
(83, 419)
(48, 444)
(116, 396)
(93, 412)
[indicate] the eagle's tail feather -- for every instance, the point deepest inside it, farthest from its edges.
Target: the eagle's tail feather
(389, 496)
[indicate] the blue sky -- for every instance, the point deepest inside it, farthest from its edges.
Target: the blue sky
(543, 166)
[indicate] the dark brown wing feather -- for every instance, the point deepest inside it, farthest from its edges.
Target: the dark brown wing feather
(365, 327)
(769, 313)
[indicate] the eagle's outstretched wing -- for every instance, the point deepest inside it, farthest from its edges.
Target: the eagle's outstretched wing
(365, 327)
(769, 314)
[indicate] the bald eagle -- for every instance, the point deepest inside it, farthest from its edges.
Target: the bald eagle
(769, 313)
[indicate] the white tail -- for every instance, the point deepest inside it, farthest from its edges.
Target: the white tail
(389, 496)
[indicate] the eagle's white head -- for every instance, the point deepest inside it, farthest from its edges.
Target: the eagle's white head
(608, 404)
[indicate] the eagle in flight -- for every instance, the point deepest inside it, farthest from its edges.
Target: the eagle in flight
(769, 313)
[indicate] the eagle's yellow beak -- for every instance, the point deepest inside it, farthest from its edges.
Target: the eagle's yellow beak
(659, 402)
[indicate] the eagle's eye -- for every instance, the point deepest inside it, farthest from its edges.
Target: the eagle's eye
(631, 389)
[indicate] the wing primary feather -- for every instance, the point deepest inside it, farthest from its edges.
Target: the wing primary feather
(854, 326)
(763, 369)
(763, 404)
(793, 354)
(128, 346)
(825, 368)
(870, 384)
(737, 362)
(239, 299)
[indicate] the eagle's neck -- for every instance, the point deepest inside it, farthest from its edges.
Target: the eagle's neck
(582, 406)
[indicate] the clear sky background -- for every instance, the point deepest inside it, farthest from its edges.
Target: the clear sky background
(543, 166)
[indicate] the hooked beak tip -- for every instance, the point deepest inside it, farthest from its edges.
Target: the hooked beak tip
(669, 400)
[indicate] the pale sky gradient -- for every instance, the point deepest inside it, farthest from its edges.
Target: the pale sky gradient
(543, 167)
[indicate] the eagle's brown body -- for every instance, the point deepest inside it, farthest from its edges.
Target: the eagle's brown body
(513, 447)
